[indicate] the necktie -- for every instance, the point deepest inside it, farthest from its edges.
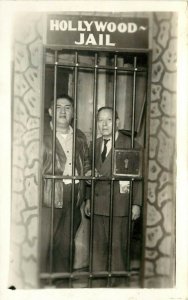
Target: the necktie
(103, 154)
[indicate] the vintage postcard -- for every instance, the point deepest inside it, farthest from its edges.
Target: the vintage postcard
(94, 153)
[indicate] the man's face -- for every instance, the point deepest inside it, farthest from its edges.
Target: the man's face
(64, 113)
(105, 123)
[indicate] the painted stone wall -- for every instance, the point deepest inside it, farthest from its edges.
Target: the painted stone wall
(160, 239)
(27, 50)
(27, 56)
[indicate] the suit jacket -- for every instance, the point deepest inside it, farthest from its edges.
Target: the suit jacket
(81, 163)
(102, 188)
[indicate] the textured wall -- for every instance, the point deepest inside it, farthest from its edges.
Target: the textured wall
(160, 240)
(25, 172)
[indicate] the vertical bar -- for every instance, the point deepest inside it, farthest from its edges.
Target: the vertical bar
(53, 162)
(133, 103)
(41, 184)
(73, 160)
(112, 169)
(93, 168)
(145, 168)
(145, 162)
(132, 147)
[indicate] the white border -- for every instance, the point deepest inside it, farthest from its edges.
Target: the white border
(7, 11)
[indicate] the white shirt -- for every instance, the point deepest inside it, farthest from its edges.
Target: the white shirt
(66, 141)
(109, 144)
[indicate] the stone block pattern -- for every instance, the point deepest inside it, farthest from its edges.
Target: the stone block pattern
(25, 156)
(160, 231)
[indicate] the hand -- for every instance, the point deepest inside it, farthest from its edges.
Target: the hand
(97, 174)
(88, 173)
(87, 208)
(135, 212)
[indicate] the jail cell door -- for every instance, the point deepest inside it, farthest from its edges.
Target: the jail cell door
(104, 243)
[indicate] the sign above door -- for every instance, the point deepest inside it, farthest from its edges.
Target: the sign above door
(96, 32)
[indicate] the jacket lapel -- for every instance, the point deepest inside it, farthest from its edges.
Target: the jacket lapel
(60, 154)
(105, 167)
(98, 153)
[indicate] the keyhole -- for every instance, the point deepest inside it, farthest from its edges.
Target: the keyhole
(126, 161)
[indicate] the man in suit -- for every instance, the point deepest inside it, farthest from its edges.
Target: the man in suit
(102, 193)
(63, 187)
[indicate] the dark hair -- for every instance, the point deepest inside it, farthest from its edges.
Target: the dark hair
(59, 96)
(110, 108)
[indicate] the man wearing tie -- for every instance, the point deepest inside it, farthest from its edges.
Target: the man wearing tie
(102, 194)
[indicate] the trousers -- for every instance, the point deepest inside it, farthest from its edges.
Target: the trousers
(61, 233)
(101, 246)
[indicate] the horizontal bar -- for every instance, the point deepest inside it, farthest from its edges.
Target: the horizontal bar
(97, 49)
(101, 178)
(90, 275)
(143, 70)
(73, 65)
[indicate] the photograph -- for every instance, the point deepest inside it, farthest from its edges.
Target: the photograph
(94, 157)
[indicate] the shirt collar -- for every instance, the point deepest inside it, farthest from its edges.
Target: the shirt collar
(110, 138)
(59, 132)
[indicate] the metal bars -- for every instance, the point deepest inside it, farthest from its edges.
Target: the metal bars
(76, 66)
(132, 147)
(53, 164)
(112, 168)
(93, 168)
(73, 160)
